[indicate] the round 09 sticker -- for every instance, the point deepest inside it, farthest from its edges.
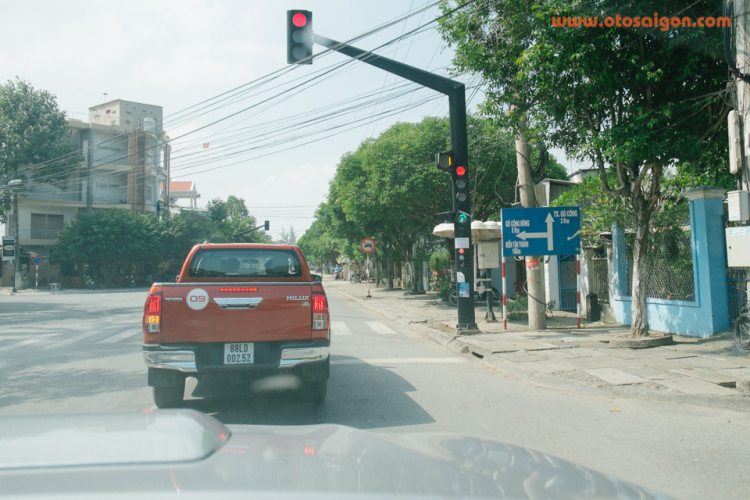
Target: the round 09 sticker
(197, 299)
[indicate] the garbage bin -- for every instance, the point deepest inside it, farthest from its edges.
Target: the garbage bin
(593, 309)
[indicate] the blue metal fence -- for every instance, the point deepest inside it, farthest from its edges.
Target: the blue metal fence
(568, 282)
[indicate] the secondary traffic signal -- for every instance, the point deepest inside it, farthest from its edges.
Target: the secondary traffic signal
(299, 40)
(267, 225)
(445, 161)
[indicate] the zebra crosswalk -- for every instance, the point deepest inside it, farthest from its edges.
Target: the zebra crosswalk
(49, 341)
(339, 328)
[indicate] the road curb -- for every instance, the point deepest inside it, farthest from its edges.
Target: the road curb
(456, 344)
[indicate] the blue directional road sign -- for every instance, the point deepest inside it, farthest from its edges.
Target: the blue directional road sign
(541, 231)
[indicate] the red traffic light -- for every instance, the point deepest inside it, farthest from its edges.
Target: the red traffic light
(460, 170)
(299, 19)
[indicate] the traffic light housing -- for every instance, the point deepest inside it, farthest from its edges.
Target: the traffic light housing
(445, 161)
(461, 184)
(267, 225)
(463, 218)
(299, 40)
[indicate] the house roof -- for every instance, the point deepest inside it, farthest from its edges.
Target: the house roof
(182, 186)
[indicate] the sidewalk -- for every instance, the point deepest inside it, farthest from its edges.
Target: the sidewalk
(702, 371)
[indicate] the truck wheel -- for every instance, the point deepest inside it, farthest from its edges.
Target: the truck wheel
(170, 396)
(315, 391)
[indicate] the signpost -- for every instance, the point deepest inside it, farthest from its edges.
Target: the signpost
(543, 231)
(368, 246)
(36, 261)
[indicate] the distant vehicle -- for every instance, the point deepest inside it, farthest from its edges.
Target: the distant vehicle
(359, 278)
(163, 453)
(244, 310)
(90, 283)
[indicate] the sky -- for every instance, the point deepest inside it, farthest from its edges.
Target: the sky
(269, 144)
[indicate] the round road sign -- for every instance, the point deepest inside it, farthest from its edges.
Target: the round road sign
(367, 245)
(36, 260)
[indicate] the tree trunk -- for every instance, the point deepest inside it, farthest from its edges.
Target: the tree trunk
(389, 271)
(416, 275)
(639, 324)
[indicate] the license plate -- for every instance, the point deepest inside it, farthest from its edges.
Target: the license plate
(238, 353)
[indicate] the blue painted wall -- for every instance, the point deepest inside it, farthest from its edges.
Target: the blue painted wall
(709, 313)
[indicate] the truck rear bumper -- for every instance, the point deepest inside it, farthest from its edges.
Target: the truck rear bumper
(293, 356)
(207, 358)
(171, 359)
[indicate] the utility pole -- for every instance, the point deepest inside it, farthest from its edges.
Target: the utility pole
(90, 165)
(16, 252)
(741, 18)
(15, 185)
(534, 264)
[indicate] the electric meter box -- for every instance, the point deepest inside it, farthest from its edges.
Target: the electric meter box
(488, 254)
(739, 205)
(738, 246)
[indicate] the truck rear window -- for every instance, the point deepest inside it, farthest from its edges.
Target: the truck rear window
(245, 263)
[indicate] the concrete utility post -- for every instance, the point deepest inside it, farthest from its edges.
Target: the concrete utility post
(15, 185)
(534, 275)
(741, 18)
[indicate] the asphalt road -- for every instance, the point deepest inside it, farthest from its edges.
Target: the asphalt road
(80, 352)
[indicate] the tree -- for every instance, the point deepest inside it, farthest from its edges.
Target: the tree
(632, 101)
(318, 245)
(389, 187)
(288, 238)
(177, 234)
(32, 134)
(231, 217)
(108, 239)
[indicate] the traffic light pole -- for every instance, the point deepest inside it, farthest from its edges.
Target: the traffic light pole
(459, 145)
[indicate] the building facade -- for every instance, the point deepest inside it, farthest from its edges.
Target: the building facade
(126, 157)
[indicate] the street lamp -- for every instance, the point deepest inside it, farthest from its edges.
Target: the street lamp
(14, 185)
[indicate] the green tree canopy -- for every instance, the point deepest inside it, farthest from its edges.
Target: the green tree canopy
(231, 217)
(107, 239)
(34, 146)
(632, 100)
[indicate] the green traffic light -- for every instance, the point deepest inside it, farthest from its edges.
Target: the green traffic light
(462, 218)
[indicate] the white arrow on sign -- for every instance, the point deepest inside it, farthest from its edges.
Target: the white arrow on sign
(549, 220)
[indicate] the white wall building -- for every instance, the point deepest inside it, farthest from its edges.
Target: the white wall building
(125, 161)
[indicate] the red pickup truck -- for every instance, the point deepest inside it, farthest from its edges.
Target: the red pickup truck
(244, 311)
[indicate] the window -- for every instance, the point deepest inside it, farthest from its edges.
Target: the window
(245, 263)
(46, 226)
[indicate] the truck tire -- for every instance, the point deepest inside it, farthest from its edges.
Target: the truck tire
(170, 396)
(315, 391)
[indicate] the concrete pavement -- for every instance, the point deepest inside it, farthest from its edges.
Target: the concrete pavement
(702, 371)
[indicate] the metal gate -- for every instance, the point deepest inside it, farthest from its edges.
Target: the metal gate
(737, 279)
(568, 282)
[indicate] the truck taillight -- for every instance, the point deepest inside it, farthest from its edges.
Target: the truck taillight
(320, 312)
(152, 319)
